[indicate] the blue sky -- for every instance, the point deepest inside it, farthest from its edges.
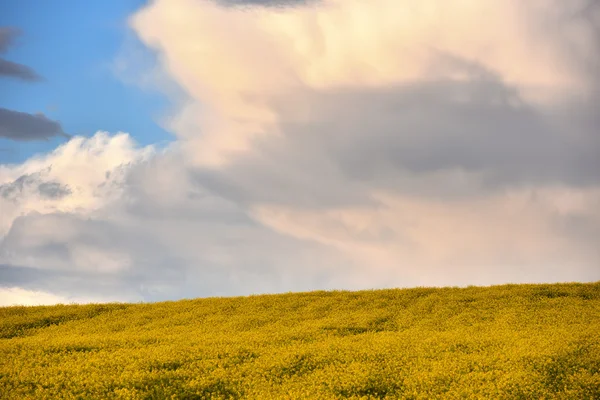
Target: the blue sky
(73, 46)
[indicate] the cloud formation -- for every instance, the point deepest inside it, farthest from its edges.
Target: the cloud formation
(11, 69)
(23, 126)
(336, 144)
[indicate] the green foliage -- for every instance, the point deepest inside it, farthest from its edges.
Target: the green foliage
(502, 342)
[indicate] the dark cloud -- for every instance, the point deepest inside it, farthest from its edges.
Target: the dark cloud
(7, 37)
(441, 138)
(33, 183)
(20, 71)
(481, 126)
(12, 190)
(476, 127)
(22, 126)
(53, 190)
(11, 69)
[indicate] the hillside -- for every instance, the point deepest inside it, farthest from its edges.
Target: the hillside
(501, 342)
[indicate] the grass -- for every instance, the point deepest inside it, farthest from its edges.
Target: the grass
(500, 342)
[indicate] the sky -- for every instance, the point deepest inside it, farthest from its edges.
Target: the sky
(190, 148)
(71, 47)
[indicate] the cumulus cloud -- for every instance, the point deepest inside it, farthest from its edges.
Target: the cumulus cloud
(11, 69)
(324, 111)
(331, 144)
(78, 177)
(347, 44)
(136, 221)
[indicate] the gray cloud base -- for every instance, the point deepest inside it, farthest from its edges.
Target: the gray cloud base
(23, 126)
(394, 138)
(14, 70)
(188, 243)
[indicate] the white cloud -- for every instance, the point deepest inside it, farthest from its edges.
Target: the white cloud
(231, 61)
(18, 296)
(341, 144)
(146, 227)
(15, 296)
(520, 236)
(309, 113)
(89, 172)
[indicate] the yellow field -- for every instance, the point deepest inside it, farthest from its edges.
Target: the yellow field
(502, 342)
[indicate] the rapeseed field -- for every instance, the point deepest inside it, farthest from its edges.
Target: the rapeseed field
(500, 342)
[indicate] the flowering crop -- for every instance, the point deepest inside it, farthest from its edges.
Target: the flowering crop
(502, 342)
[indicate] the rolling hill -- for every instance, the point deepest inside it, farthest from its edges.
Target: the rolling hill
(499, 342)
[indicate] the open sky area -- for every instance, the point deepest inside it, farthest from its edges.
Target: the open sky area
(73, 47)
(168, 149)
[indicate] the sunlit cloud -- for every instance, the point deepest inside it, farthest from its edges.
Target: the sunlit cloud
(329, 144)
